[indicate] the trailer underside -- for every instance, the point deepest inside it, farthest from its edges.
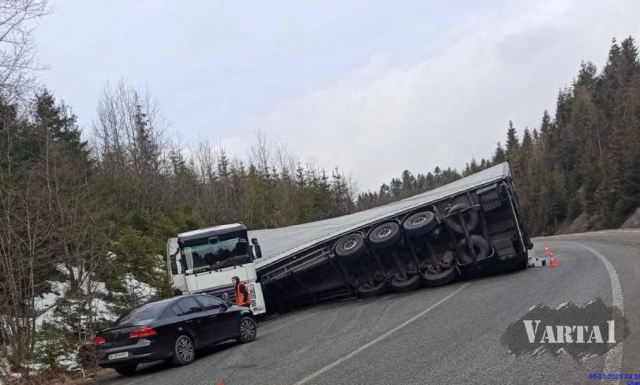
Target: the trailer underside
(431, 239)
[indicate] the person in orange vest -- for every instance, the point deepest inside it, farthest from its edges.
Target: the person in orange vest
(242, 293)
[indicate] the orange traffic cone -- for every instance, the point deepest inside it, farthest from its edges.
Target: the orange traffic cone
(546, 249)
(552, 261)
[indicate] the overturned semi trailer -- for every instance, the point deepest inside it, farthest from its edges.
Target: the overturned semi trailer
(431, 238)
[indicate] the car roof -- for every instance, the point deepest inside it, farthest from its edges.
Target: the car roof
(168, 301)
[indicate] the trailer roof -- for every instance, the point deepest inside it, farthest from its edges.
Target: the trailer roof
(280, 243)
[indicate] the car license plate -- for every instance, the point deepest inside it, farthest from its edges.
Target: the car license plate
(115, 356)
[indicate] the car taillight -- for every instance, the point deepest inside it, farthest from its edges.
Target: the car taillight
(99, 341)
(143, 332)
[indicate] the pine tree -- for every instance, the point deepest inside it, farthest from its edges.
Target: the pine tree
(499, 155)
(512, 143)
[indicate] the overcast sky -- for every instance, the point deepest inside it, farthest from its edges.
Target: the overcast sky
(372, 87)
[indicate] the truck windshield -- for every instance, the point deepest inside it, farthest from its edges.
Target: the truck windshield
(218, 252)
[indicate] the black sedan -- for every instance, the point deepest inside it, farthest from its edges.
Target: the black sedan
(171, 329)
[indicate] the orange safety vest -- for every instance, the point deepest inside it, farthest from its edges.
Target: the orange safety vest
(241, 299)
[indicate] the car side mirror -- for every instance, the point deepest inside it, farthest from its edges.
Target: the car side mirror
(225, 299)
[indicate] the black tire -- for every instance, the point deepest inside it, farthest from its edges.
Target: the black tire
(126, 370)
(419, 224)
(480, 246)
(248, 330)
(444, 278)
(379, 288)
(385, 235)
(184, 351)
(470, 218)
(402, 286)
(350, 246)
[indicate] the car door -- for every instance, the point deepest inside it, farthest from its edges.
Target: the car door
(191, 316)
(226, 321)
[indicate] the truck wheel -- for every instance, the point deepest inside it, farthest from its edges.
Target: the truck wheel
(350, 246)
(420, 224)
(126, 370)
(183, 351)
(385, 235)
(446, 274)
(400, 285)
(480, 247)
(367, 291)
(470, 218)
(440, 279)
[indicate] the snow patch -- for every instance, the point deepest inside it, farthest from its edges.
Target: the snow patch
(140, 290)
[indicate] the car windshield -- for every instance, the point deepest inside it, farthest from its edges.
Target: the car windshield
(217, 252)
(142, 314)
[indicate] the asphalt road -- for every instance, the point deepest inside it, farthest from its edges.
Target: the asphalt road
(436, 336)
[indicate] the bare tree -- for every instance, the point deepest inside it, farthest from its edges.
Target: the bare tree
(260, 153)
(17, 46)
(131, 145)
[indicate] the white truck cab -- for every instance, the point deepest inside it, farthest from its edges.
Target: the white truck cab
(205, 260)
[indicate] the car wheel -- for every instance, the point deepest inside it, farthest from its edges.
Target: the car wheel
(183, 351)
(420, 224)
(248, 330)
(367, 290)
(385, 235)
(480, 247)
(126, 370)
(400, 285)
(470, 218)
(350, 246)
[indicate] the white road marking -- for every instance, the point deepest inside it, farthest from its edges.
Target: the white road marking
(285, 325)
(382, 337)
(613, 359)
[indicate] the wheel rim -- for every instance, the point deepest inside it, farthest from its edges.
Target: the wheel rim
(185, 349)
(248, 330)
(384, 232)
(349, 244)
(419, 220)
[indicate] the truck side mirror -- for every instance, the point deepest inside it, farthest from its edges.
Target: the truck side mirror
(257, 250)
